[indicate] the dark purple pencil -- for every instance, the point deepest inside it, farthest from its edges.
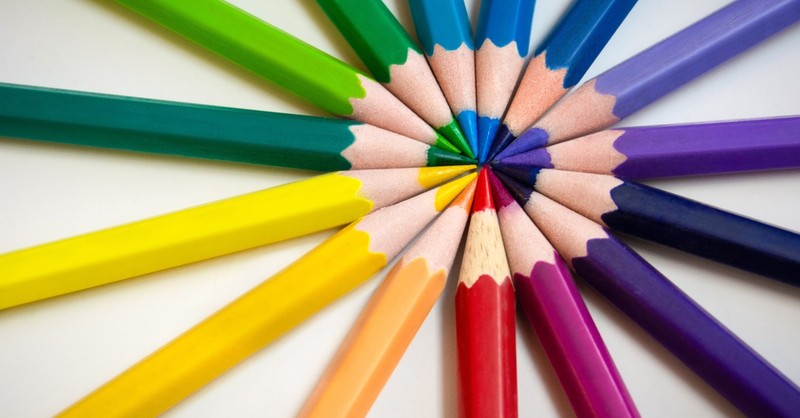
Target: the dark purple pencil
(658, 70)
(673, 150)
(694, 336)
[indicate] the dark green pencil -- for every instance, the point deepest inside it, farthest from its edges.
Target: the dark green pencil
(199, 131)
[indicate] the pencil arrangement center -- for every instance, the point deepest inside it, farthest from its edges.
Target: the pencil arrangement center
(474, 163)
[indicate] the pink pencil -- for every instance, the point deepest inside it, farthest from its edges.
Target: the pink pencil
(556, 311)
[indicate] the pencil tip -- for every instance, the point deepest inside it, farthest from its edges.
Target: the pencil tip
(453, 134)
(531, 139)
(502, 138)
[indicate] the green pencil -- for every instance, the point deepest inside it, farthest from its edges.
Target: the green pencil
(276, 56)
(220, 133)
(395, 61)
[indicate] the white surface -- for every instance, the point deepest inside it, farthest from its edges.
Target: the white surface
(54, 352)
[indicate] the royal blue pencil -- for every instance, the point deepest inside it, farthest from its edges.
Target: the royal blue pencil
(502, 39)
(657, 71)
(560, 62)
(675, 221)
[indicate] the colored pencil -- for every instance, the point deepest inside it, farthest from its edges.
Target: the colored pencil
(560, 62)
(673, 150)
(395, 61)
(675, 221)
(485, 317)
(200, 131)
(266, 312)
(278, 57)
(659, 70)
(387, 325)
(670, 316)
(207, 231)
(555, 309)
(444, 30)
(502, 38)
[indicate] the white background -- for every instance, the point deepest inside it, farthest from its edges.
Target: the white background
(54, 352)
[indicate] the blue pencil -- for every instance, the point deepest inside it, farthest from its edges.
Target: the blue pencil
(676, 321)
(502, 39)
(560, 62)
(445, 32)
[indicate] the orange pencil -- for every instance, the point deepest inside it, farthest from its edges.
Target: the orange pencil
(387, 325)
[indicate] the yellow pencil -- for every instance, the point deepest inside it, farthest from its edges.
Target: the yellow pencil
(257, 318)
(207, 231)
(387, 325)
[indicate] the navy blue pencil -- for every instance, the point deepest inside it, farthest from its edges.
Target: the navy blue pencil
(675, 221)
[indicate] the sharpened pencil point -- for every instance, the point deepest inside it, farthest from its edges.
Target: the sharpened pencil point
(444, 144)
(539, 157)
(440, 157)
(502, 138)
(468, 122)
(454, 135)
(524, 174)
(531, 139)
(521, 192)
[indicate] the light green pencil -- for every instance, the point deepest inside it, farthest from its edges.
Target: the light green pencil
(288, 62)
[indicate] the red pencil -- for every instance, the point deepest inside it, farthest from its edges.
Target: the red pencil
(485, 321)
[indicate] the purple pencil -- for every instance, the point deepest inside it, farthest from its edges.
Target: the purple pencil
(673, 150)
(547, 294)
(658, 70)
(694, 336)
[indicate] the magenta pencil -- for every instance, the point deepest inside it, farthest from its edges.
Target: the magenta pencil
(672, 150)
(547, 294)
(670, 316)
(659, 70)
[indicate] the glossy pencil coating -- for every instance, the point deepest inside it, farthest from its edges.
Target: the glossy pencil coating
(200, 131)
(502, 38)
(444, 30)
(385, 328)
(670, 316)
(207, 231)
(659, 70)
(276, 56)
(246, 325)
(675, 221)
(547, 294)
(560, 61)
(395, 61)
(485, 317)
(673, 150)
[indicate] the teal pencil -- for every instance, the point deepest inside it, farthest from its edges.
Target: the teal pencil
(211, 132)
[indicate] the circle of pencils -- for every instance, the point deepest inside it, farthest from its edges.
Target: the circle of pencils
(178, 237)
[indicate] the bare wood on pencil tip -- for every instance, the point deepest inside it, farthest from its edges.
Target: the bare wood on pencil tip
(496, 71)
(445, 229)
(523, 252)
(375, 148)
(585, 193)
(486, 244)
(379, 107)
(595, 110)
(568, 231)
(593, 153)
(426, 97)
(539, 89)
(456, 79)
